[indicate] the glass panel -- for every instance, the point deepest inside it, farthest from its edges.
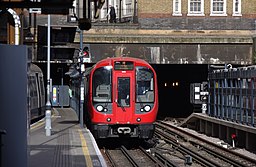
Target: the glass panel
(195, 5)
(218, 5)
(123, 92)
(145, 85)
(42, 85)
(176, 5)
(102, 84)
(236, 5)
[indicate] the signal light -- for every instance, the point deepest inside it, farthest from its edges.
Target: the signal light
(85, 53)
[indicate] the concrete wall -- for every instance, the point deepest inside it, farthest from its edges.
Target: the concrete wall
(177, 53)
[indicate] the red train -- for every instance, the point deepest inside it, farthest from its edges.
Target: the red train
(121, 98)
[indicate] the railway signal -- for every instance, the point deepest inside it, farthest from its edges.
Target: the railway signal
(84, 55)
(199, 94)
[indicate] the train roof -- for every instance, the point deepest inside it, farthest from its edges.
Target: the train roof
(112, 59)
(34, 68)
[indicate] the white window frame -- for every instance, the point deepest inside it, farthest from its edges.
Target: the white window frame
(219, 13)
(196, 13)
(127, 8)
(237, 13)
(178, 11)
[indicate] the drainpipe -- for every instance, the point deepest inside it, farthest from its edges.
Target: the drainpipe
(17, 26)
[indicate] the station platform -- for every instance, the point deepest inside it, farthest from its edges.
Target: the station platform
(69, 145)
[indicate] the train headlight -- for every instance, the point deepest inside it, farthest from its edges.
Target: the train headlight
(138, 119)
(99, 108)
(108, 119)
(147, 108)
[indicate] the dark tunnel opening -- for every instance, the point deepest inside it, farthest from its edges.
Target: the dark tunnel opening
(174, 88)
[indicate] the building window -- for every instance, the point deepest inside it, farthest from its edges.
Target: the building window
(128, 8)
(237, 8)
(176, 8)
(196, 8)
(218, 8)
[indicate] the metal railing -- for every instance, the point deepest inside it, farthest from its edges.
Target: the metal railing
(232, 94)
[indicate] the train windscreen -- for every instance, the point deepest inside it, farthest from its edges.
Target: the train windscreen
(102, 84)
(144, 85)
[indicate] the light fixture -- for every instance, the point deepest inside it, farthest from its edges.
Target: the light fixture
(138, 119)
(99, 108)
(147, 108)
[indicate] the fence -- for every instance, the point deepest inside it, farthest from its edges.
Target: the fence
(232, 94)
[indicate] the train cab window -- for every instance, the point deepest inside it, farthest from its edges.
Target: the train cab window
(101, 88)
(123, 92)
(144, 85)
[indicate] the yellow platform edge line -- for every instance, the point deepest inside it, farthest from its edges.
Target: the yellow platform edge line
(37, 125)
(85, 149)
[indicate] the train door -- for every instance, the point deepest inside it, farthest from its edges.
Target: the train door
(123, 106)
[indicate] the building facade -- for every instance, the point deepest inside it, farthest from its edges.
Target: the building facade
(198, 14)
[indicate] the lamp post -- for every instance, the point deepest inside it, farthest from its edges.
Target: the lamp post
(82, 95)
(48, 103)
(81, 64)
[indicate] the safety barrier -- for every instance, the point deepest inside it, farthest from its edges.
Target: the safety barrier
(232, 94)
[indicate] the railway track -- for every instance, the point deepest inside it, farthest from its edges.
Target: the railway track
(198, 150)
(135, 157)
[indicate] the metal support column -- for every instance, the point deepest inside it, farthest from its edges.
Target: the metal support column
(82, 102)
(81, 108)
(252, 104)
(48, 103)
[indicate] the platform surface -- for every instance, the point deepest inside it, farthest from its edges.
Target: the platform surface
(69, 144)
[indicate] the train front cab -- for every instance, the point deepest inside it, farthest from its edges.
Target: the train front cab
(124, 101)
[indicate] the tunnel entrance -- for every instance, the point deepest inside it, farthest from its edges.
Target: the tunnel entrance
(174, 87)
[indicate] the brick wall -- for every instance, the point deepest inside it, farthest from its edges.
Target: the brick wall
(158, 14)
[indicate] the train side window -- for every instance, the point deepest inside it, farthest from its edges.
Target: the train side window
(30, 86)
(34, 86)
(42, 85)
